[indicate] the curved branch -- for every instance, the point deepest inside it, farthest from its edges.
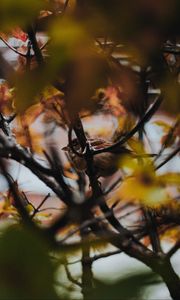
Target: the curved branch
(12, 48)
(174, 249)
(139, 125)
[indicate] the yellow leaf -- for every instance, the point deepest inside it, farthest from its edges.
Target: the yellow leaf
(170, 178)
(150, 195)
(136, 146)
(166, 127)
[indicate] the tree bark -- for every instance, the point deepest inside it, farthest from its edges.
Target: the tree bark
(171, 280)
(87, 275)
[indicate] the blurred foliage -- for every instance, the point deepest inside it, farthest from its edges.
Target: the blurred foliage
(26, 269)
(130, 287)
(143, 185)
(141, 28)
(19, 12)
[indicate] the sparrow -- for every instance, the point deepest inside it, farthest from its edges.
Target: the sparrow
(105, 163)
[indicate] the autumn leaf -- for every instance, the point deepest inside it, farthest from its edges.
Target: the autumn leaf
(150, 195)
(6, 98)
(53, 105)
(112, 102)
(165, 125)
(171, 132)
(18, 33)
(68, 172)
(7, 209)
(27, 136)
(32, 113)
(171, 235)
(170, 178)
(136, 146)
(143, 186)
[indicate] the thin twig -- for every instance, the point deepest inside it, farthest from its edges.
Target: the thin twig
(174, 249)
(168, 138)
(85, 225)
(36, 210)
(114, 184)
(17, 197)
(169, 157)
(45, 44)
(104, 255)
(70, 277)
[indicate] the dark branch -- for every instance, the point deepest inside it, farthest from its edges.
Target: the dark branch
(139, 125)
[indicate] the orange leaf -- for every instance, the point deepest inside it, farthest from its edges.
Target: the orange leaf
(19, 34)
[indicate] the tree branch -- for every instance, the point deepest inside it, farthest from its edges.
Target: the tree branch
(174, 249)
(139, 125)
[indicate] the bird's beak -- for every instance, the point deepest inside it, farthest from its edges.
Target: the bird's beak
(65, 148)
